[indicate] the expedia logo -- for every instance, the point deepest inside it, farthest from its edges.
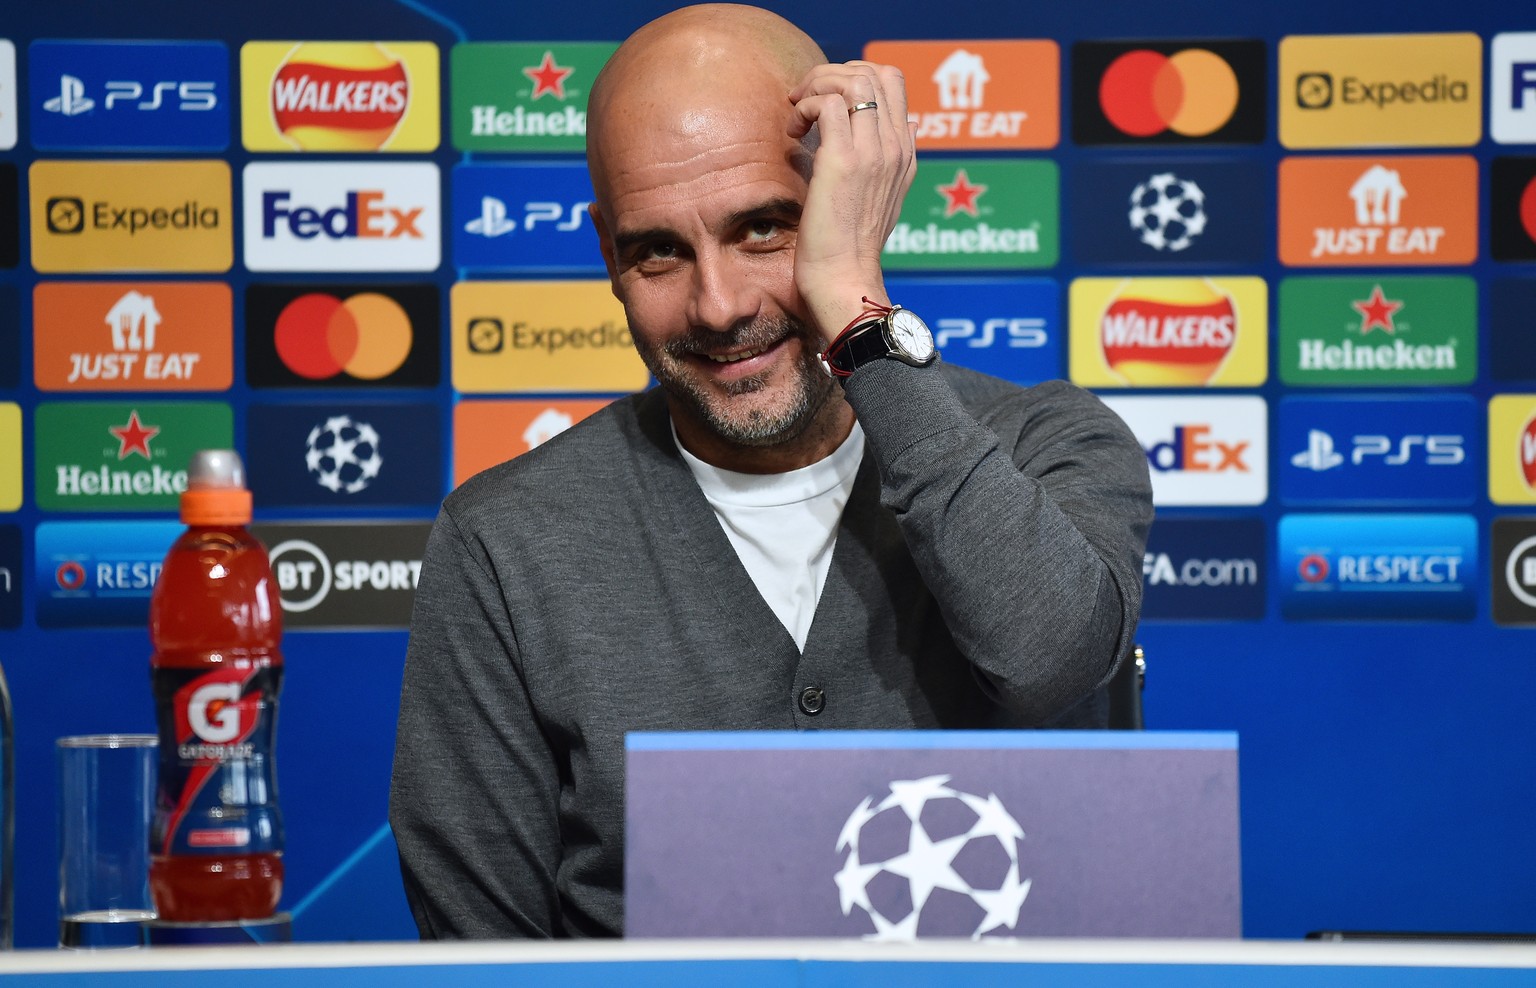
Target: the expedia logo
(489, 335)
(1316, 91)
(71, 214)
(355, 576)
(339, 96)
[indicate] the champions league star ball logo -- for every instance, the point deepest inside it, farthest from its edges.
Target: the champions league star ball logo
(343, 455)
(1168, 212)
(928, 859)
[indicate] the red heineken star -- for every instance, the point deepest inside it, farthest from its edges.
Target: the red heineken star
(548, 77)
(133, 437)
(1377, 311)
(962, 195)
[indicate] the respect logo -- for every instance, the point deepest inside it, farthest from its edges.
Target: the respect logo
(132, 336)
(1380, 566)
(542, 336)
(1169, 332)
(339, 96)
(1168, 92)
(1411, 90)
(978, 95)
(1371, 211)
(130, 216)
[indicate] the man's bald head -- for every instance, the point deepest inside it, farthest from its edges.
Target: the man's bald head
(682, 68)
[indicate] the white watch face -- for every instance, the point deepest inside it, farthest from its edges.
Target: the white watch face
(910, 334)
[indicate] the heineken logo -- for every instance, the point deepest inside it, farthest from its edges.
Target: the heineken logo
(1352, 332)
(978, 213)
(523, 96)
(116, 456)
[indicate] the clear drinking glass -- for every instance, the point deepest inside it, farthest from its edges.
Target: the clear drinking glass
(106, 795)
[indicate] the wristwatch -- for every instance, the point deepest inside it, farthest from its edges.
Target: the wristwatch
(897, 333)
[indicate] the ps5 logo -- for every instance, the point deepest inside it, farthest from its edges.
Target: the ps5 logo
(189, 96)
(1024, 332)
(1436, 451)
(494, 220)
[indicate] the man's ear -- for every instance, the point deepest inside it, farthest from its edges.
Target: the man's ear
(605, 244)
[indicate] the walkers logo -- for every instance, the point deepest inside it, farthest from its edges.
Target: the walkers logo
(542, 336)
(1170, 213)
(12, 576)
(7, 95)
(347, 336)
(1513, 227)
(1512, 449)
(10, 456)
(1168, 92)
(132, 336)
(98, 574)
(345, 575)
(117, 456)
(1403, 452)
(1370, 90)
(346, 96)
(978, 95)
(1169, 332)
(1514, 571)
(1365, 211)
(351, 454)
(1512, 346)
(1512, 100)
(1398, 567)
(1202, 451)
(1007, 327)
(524, 217)
(129, 95)
(978, 214)
(523, 96)
(1359, 332)
(130, 216)
(1204, 569)
(342, 217)
(486, 433)
(10, 217)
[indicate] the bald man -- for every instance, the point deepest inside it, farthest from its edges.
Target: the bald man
(811, 523)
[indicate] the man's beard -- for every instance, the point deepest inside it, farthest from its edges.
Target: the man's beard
(735, 421)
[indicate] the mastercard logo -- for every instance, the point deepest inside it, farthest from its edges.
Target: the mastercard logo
(366, 336)
(1191, 93)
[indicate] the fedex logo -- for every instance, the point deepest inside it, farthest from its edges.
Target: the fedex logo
(1512, 74)
(1202, 451)
(342, 217)
(364, 214)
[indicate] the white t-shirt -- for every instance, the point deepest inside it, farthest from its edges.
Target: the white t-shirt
(784, 525)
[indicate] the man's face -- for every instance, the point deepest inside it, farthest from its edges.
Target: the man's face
(698, 223)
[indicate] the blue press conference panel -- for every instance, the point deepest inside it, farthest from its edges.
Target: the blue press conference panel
(1384, 721)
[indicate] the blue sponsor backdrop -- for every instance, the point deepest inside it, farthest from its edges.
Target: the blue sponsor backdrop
(1010, 327)
(524, 216)
(134, 96)
(1379, 567)
(1206, 569)
(98, 574)
(340, 455)
(1380, 451)
(1385, 772)
(1164, 212)
(1511, 343)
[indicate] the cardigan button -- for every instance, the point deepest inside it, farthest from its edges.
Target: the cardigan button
(812, 700)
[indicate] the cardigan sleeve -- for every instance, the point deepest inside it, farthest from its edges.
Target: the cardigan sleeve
(1027, 516)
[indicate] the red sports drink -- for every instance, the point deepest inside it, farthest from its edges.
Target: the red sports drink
(215, 623)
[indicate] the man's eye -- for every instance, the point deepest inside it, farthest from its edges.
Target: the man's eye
(656, 252)
(762, 230)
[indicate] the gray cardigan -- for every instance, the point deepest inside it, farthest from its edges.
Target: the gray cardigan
(987, 574)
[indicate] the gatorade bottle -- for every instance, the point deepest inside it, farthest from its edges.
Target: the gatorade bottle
(215, 623)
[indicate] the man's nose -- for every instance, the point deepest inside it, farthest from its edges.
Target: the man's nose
(724, 295)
